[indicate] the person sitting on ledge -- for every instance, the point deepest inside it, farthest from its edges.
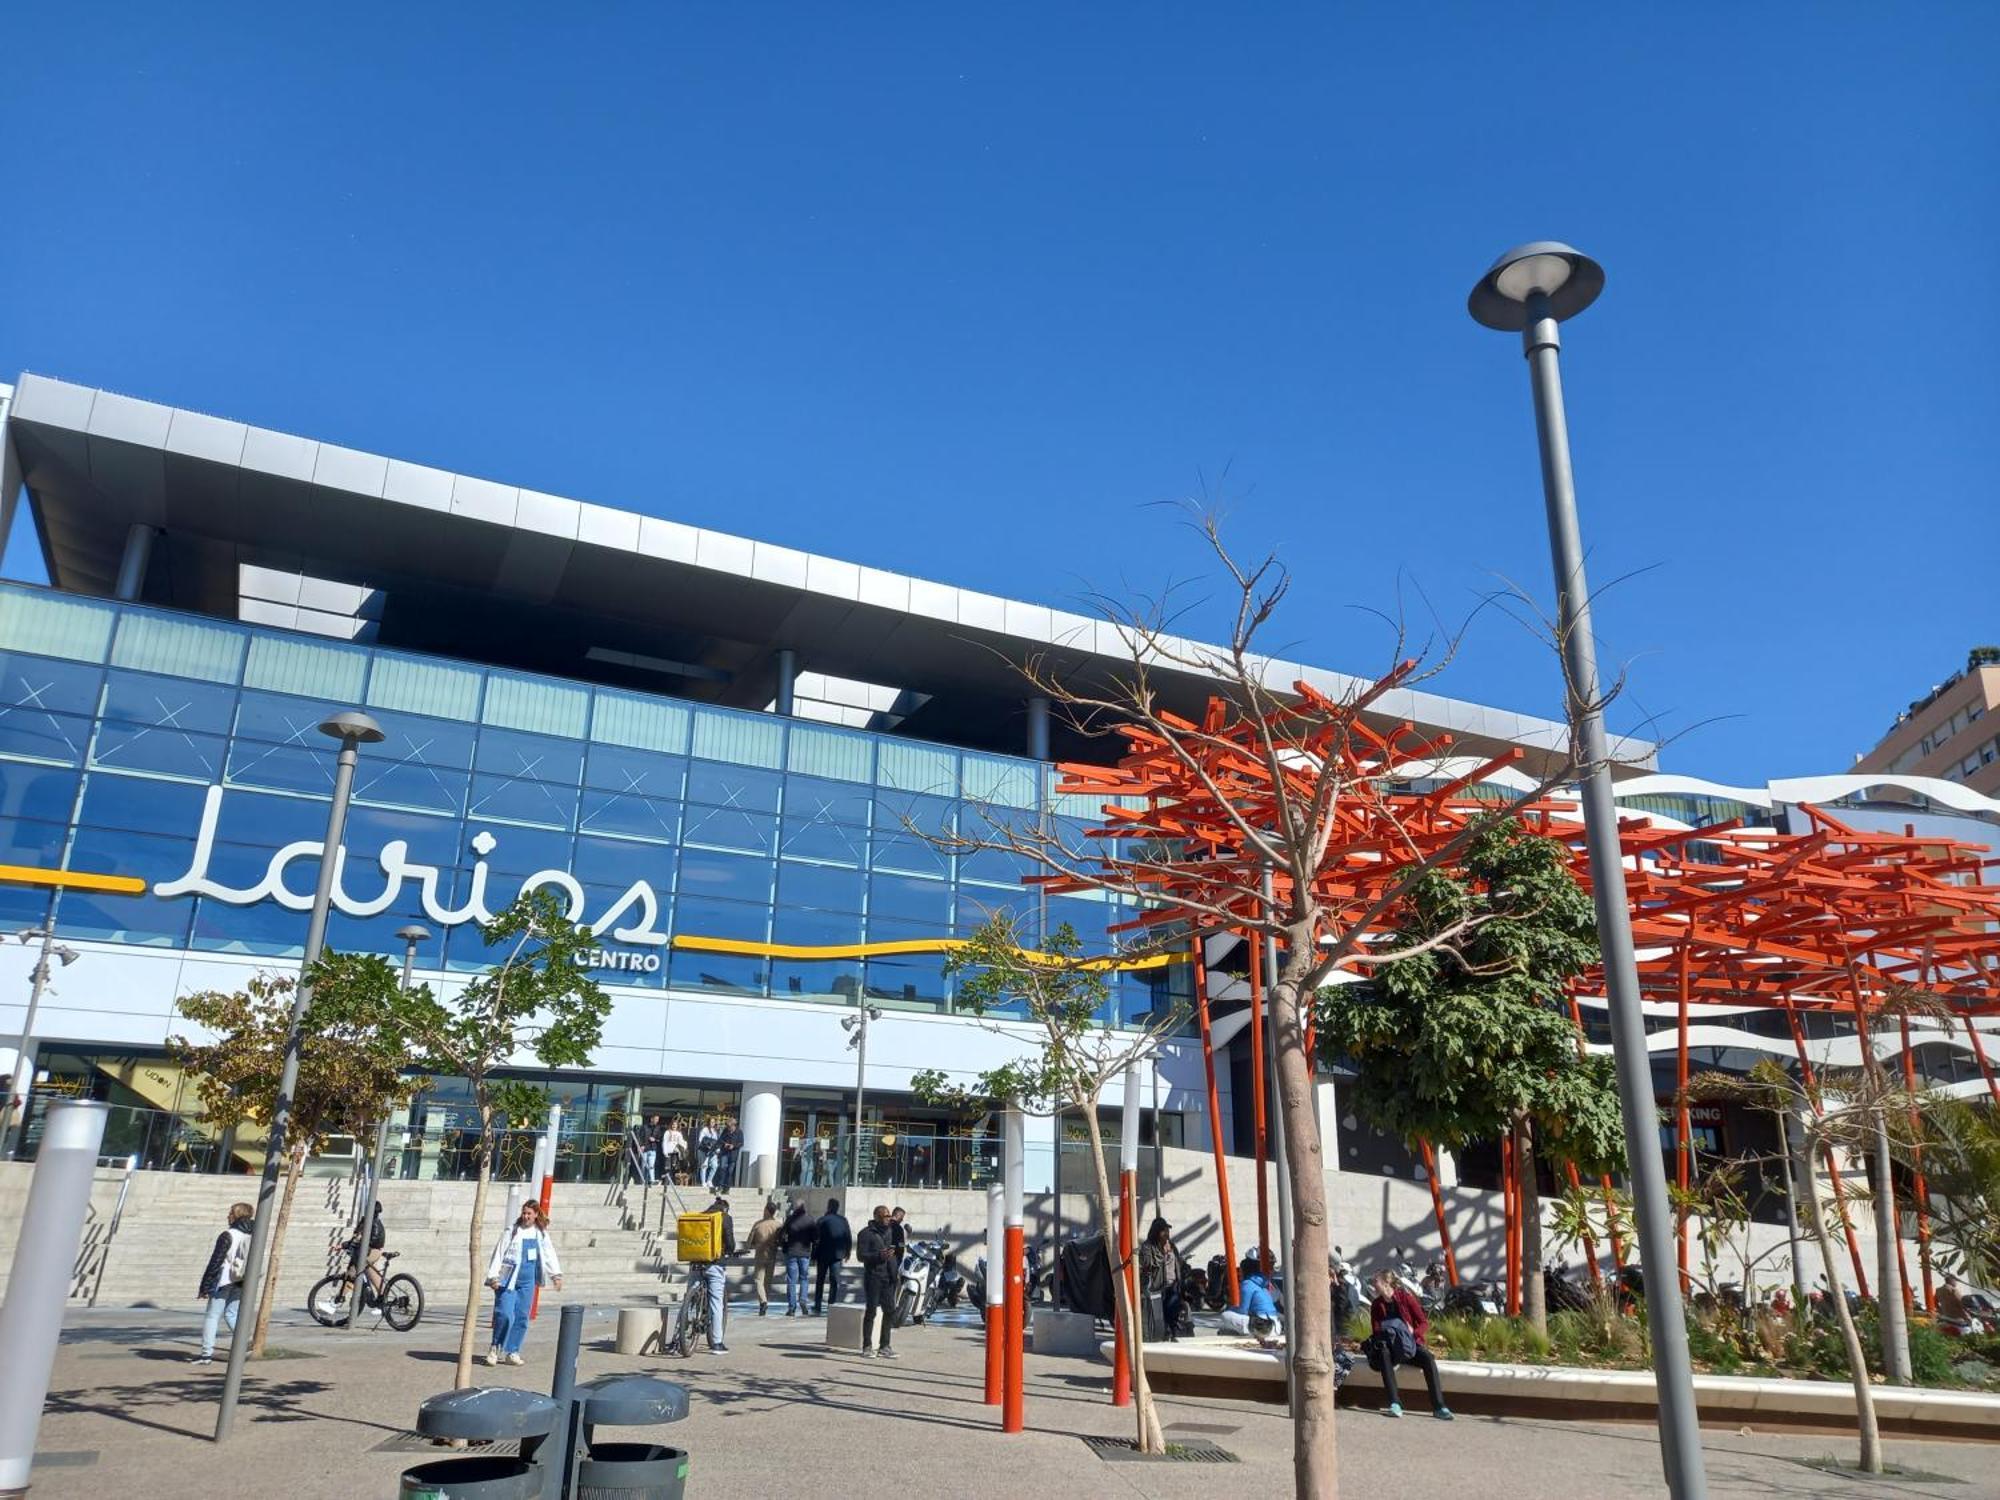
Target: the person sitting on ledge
(1400, 1329)
(1257, 1315)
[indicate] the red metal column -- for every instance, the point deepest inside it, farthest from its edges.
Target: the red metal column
(1437, 1208)
(1683, 1144)
(1121, 1378)
(1215, 1121)
(1923, 1193)
(1259, 1126)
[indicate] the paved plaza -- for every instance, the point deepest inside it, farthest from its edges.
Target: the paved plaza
(780, 1414)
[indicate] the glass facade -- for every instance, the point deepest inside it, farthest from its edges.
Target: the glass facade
(183, 751)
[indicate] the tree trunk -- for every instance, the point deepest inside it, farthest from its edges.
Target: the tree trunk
(1850, 1336)
(1888, 1272)
(1308, 1293)
(475, 1283)
(1151, 1438)
(275, 1257)
(1534, 1291)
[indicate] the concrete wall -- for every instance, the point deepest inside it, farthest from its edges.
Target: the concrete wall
(171, 1219)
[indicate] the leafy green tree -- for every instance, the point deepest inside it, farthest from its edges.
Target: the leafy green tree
(534, 999)
(1467, 1038)
(1060, 993)
(352, 1069)
(1962, 1163)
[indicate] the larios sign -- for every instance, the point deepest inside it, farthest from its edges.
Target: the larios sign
(633, 918)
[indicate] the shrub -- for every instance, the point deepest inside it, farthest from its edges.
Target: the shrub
(1569, 1334)
(1534, 1343)
(1930, 1355)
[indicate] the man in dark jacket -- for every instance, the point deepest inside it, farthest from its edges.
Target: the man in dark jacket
(796, 1241)
(730, 1147)
(1401, 1326)
(832, 1240)
(875, 1248)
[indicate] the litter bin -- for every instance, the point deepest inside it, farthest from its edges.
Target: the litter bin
(610, 1470)
(483, 1416)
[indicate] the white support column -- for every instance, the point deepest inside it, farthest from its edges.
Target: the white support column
(762, 1121)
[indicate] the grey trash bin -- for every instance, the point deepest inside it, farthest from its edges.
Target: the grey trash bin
(483, 1416)
(608, 1469)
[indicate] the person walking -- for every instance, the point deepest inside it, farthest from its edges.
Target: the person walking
(1160, 1272)
(763, 1244)
(715, 1278)
(875, 1248)
(800, 1233)
(1400, 1328)
(222, 1278)
(729, 1143)
(1257, 1314)
(673, 1153)
(524, 1259)
(831, 1243)
(900, 1228)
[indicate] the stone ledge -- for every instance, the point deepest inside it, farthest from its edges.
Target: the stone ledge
(1207, 1365)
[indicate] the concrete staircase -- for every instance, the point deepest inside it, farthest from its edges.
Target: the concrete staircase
(169, 1222)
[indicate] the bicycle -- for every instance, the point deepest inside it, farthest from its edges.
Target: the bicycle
(399, 1299)
(691, 1327)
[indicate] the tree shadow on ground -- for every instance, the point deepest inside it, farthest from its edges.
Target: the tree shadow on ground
(186, 1407)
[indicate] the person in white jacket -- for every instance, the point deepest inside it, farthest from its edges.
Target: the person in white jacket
(222, 1277)
(524, 1259)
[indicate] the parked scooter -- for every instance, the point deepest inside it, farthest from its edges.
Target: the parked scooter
(913, 1297)
(949, 1284)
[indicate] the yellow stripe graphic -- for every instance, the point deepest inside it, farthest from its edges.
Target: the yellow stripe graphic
(73, 880)
(128, 885)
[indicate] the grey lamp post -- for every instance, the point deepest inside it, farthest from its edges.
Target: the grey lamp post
(857, 1027)
(1530, 290)
(353, 729)
(411, 936)
(24, 1053)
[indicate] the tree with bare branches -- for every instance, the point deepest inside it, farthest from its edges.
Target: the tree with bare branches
(1060, 993)
(1287, 814)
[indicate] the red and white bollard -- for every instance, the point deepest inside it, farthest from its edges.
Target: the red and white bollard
(1128, 1213)
(1014, 1166)
(545, 1172)
(996, 1292)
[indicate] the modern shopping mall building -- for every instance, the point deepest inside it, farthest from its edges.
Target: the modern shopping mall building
(725, 754)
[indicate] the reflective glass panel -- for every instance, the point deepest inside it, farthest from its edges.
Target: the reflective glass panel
(172, 752)
(62, 687)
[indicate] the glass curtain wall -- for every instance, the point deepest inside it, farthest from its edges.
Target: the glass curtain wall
(184, 751)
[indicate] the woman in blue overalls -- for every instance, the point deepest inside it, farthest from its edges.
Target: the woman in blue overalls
(522, 1261)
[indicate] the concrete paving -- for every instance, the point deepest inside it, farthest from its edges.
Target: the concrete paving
(779, 1414)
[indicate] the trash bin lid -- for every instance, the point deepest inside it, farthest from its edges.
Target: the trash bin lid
(495, 1413)
(632, 1400)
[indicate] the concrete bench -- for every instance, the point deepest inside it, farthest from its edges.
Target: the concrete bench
(1237, 1369)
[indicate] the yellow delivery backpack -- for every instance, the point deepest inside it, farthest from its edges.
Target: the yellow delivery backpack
(698, 1237)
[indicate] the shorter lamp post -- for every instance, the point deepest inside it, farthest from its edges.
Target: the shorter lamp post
(411, 936)
(24, 1054)
(856, 1026)
(353, 729)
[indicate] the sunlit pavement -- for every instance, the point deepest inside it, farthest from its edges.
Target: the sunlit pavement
(129, 1414)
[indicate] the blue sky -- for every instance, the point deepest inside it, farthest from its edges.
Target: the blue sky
(966, 294)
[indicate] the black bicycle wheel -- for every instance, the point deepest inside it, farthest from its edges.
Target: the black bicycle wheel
(402, 1303)
(681, 1345)
(329, 1301)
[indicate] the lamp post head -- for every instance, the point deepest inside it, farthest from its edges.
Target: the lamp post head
(415, 933)
(351, 726)
(1570, 280)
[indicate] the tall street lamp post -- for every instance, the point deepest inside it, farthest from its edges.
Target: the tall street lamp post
(1530, 290)
(24, 1050)
(411, 937)
(353, 729)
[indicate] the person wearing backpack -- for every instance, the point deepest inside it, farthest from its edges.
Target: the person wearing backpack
(1401, 1327)
(832, 1240)
(222, 1278)
(881, 1271)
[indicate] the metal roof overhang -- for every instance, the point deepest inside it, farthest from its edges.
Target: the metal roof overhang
(223, 494)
